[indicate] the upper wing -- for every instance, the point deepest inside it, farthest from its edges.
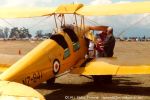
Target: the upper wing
(68, 8)
(115, 9)
(108, 66)
(35, 12)
(92, 10)
(25, 12)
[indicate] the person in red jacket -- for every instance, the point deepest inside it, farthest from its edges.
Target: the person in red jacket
(103, 35)
(99, 47)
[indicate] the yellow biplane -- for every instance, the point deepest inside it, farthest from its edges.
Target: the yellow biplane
(66, 49)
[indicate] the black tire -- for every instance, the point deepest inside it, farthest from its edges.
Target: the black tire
(51, 81)
(102, 79)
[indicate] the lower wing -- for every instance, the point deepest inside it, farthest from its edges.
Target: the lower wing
(105, 66)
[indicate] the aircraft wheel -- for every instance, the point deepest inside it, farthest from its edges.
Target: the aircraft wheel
(51, 81)
(102, 79)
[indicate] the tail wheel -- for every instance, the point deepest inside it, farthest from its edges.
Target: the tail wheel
(56, 67)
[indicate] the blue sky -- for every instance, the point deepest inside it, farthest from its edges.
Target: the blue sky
(119, 23)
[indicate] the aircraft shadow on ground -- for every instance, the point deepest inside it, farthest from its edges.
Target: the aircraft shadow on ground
(119, 86)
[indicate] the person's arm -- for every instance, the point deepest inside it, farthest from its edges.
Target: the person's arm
(99, 28)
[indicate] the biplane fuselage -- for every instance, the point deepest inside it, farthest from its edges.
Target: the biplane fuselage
(52, 57)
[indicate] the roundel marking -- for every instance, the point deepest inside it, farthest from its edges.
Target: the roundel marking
(56, 66)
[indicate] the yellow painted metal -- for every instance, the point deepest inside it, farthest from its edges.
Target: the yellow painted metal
(115, 9)
(68, 8)
(25, 12)
(16, 91)
(101, 67)
(75, 55)
(89, 10)
(36, 12)
(96, 68)
(3, 67)
(141, 69)
(90, 36)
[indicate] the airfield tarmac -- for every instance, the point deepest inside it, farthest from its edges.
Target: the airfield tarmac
(76, 87)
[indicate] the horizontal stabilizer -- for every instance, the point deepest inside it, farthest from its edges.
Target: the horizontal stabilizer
(3, 67)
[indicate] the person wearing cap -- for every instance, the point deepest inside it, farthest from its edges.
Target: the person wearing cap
(109, 43)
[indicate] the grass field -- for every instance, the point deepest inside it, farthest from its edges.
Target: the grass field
(76, 87)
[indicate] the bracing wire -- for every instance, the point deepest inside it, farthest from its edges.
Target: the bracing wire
(7, 22)
(136, 22)
(123, 31)
(40, 21)
(92, 21)
(36, 24)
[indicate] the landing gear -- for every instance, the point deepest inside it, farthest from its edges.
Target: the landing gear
(102, 79)
(51, 81)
